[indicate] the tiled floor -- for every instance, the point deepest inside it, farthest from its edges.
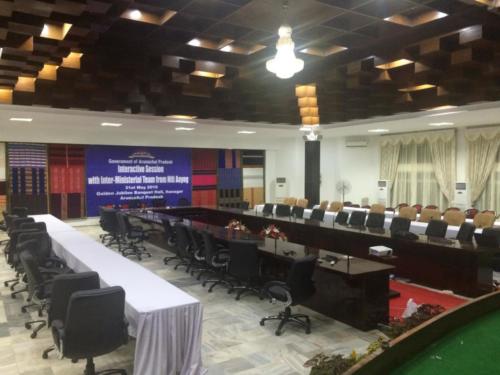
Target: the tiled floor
(233, 340)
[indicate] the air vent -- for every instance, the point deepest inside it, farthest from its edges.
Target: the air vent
(356, 142)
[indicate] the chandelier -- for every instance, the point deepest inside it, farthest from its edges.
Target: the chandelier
(285, 64)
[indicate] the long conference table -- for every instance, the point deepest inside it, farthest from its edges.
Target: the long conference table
(444, 264)
(352, 290)
(417, 227)
(166, 321)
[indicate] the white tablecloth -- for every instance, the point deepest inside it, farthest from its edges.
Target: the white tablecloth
(416, 227)
(166, 321)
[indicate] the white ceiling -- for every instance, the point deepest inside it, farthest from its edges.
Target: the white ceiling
(76, 126)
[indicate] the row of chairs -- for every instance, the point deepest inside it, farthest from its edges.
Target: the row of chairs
(375, 220)
(86, 321)
(158, 203)
(119, 232)
(237, 266)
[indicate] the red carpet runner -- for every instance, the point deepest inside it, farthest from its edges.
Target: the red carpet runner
(420, 295)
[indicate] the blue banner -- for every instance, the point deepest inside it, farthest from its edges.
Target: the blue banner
(124, 175)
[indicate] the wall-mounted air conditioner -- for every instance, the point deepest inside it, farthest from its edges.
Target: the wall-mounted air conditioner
(356, 142)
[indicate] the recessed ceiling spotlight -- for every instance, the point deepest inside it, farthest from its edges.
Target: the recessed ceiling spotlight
(135, 14)
(194, 42)
(246, 132)
(181, 121)
(438, 108)
(182, 128)
(378, 130)
(21, 119)
(181, 117)
(441, 123)
(111, 124)
(227, 48)
(444, 113)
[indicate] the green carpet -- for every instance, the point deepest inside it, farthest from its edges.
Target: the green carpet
(473, 349)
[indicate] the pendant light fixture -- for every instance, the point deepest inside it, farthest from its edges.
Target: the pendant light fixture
(285, 64)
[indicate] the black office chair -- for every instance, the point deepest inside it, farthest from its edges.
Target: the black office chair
(317, 214)
(298, 212)
(283, 210)
(245, 267)
(19, 211)
(268, 209)
(63, 286)
(490, 237)
(218, 259)
(436, 228)
(297, 289)
(357, 218)
(375, 220)
(169, 232)
(197, 252)
(183, 202)
(39, 290)
(109, 223)
(183, 247)
(94, 325)
(341, 218)
(39, 226)
(131, 238)
(466, 232)
(399, 224)
(18, 221)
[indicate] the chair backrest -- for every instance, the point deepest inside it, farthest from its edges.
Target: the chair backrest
(210, 246)
(367, 206)
(400, 224)
(19, 211)
(436, 228)
(299, 278)
(357, 218)
(375, 220)
(355, 205)
(489, 238)
(95, 323)
(466, 232)
(428, 214)
(122, 224)
(452, 209)
(453, 217)
(33, 274)
(9, 219)
(168, 230)
(38, 226)
(268, 208)
(182, 202)
(196, 241)
(244, 263)
(335, 206)
(109, 220)
(342, 217)
(484, 220)
(418, 207)
(291, 201)
(323, 205)
(298, 212)
(183, 244)
(17, 222)
(317, 214)
(378, 208)
(40, 244)
(347, 204)
(432, 207)
(471, 213)
(303, 202)
(401, 205)
(283, 210)
(408, 213)
(64, 286)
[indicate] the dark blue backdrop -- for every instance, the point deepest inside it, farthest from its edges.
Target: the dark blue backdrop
(119, 175)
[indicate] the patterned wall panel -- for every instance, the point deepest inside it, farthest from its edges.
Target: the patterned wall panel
(230, 183)
(67, 173)
(27, 168)
(204, 177)
(3, 179)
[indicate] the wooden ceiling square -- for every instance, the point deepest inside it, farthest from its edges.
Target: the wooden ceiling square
(167, 4)
(381, 29)
(349, 21)
(227, 30)
(352, 40)
(267, 15)
(190, 22)
(347, 4)
(385, 8)
(258, 36)
(210, 8)
(319, 34)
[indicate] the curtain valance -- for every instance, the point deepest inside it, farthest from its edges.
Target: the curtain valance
(421, 137)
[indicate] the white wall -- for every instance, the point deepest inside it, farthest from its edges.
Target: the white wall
(358, 165)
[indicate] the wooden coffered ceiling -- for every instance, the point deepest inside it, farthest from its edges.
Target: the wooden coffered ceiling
(207, 57)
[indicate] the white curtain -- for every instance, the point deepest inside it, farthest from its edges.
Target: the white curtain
(490, 197)
(425, 171)
(483, 149)
(389, 159)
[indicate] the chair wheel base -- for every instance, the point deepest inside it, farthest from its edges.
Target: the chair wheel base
(33, 335)
(27, 326)
(261, 323)
(45, 356)
(23, 309)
